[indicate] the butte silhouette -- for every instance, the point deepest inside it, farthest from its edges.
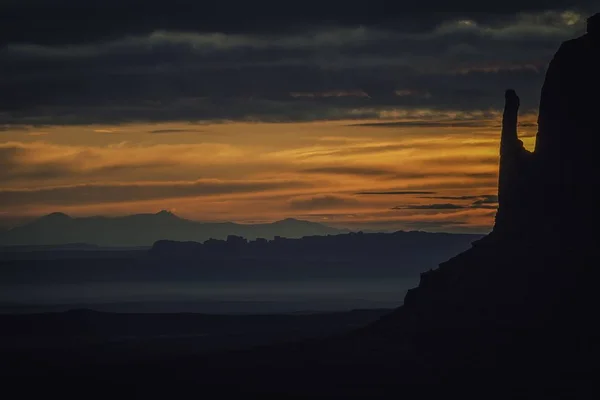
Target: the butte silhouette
(551, 191)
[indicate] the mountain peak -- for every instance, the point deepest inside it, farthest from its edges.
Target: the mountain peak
(56, 216)
(165, 213)
(289, 221)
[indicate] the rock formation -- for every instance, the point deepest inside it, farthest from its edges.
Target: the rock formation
(516, 166)
(551, 191)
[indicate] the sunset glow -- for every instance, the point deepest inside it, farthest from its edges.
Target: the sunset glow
(358, 175)
(245, 121)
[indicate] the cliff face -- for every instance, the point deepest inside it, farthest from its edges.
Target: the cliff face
(551, 192)
(516, 196)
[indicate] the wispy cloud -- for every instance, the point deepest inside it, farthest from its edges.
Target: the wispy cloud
(109, 193)
(175, 131)
(353, 69)
(426, 124)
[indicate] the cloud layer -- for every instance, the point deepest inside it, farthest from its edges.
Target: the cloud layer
(168, 65)
(357, 115)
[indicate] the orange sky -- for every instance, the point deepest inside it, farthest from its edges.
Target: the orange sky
(250, 172)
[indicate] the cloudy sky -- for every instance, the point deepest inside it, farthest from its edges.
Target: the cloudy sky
(369, 115)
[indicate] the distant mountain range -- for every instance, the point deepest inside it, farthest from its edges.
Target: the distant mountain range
(145, 229)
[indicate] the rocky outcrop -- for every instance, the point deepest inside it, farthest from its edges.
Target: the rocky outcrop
(516, 169)
(551, 191)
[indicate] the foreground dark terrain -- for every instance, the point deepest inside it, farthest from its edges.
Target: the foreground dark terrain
(84, 335)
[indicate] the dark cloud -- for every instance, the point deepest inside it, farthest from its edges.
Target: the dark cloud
(435, 223)
(322, 202)
(124, 61)
(448, 206)
(174, 131)
(330, 216)
(425, 124)
(485, 207)
(486, 201)
(349, 170)
(489, 202)
(109, 193)
(384, 173)
(36, 20)
(395, 193)
(454, 197)
(479, 175)
(441, 206)
(470, 159)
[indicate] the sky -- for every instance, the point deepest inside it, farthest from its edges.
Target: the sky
(371, 115)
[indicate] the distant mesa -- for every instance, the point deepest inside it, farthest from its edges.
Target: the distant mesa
(369, 250)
